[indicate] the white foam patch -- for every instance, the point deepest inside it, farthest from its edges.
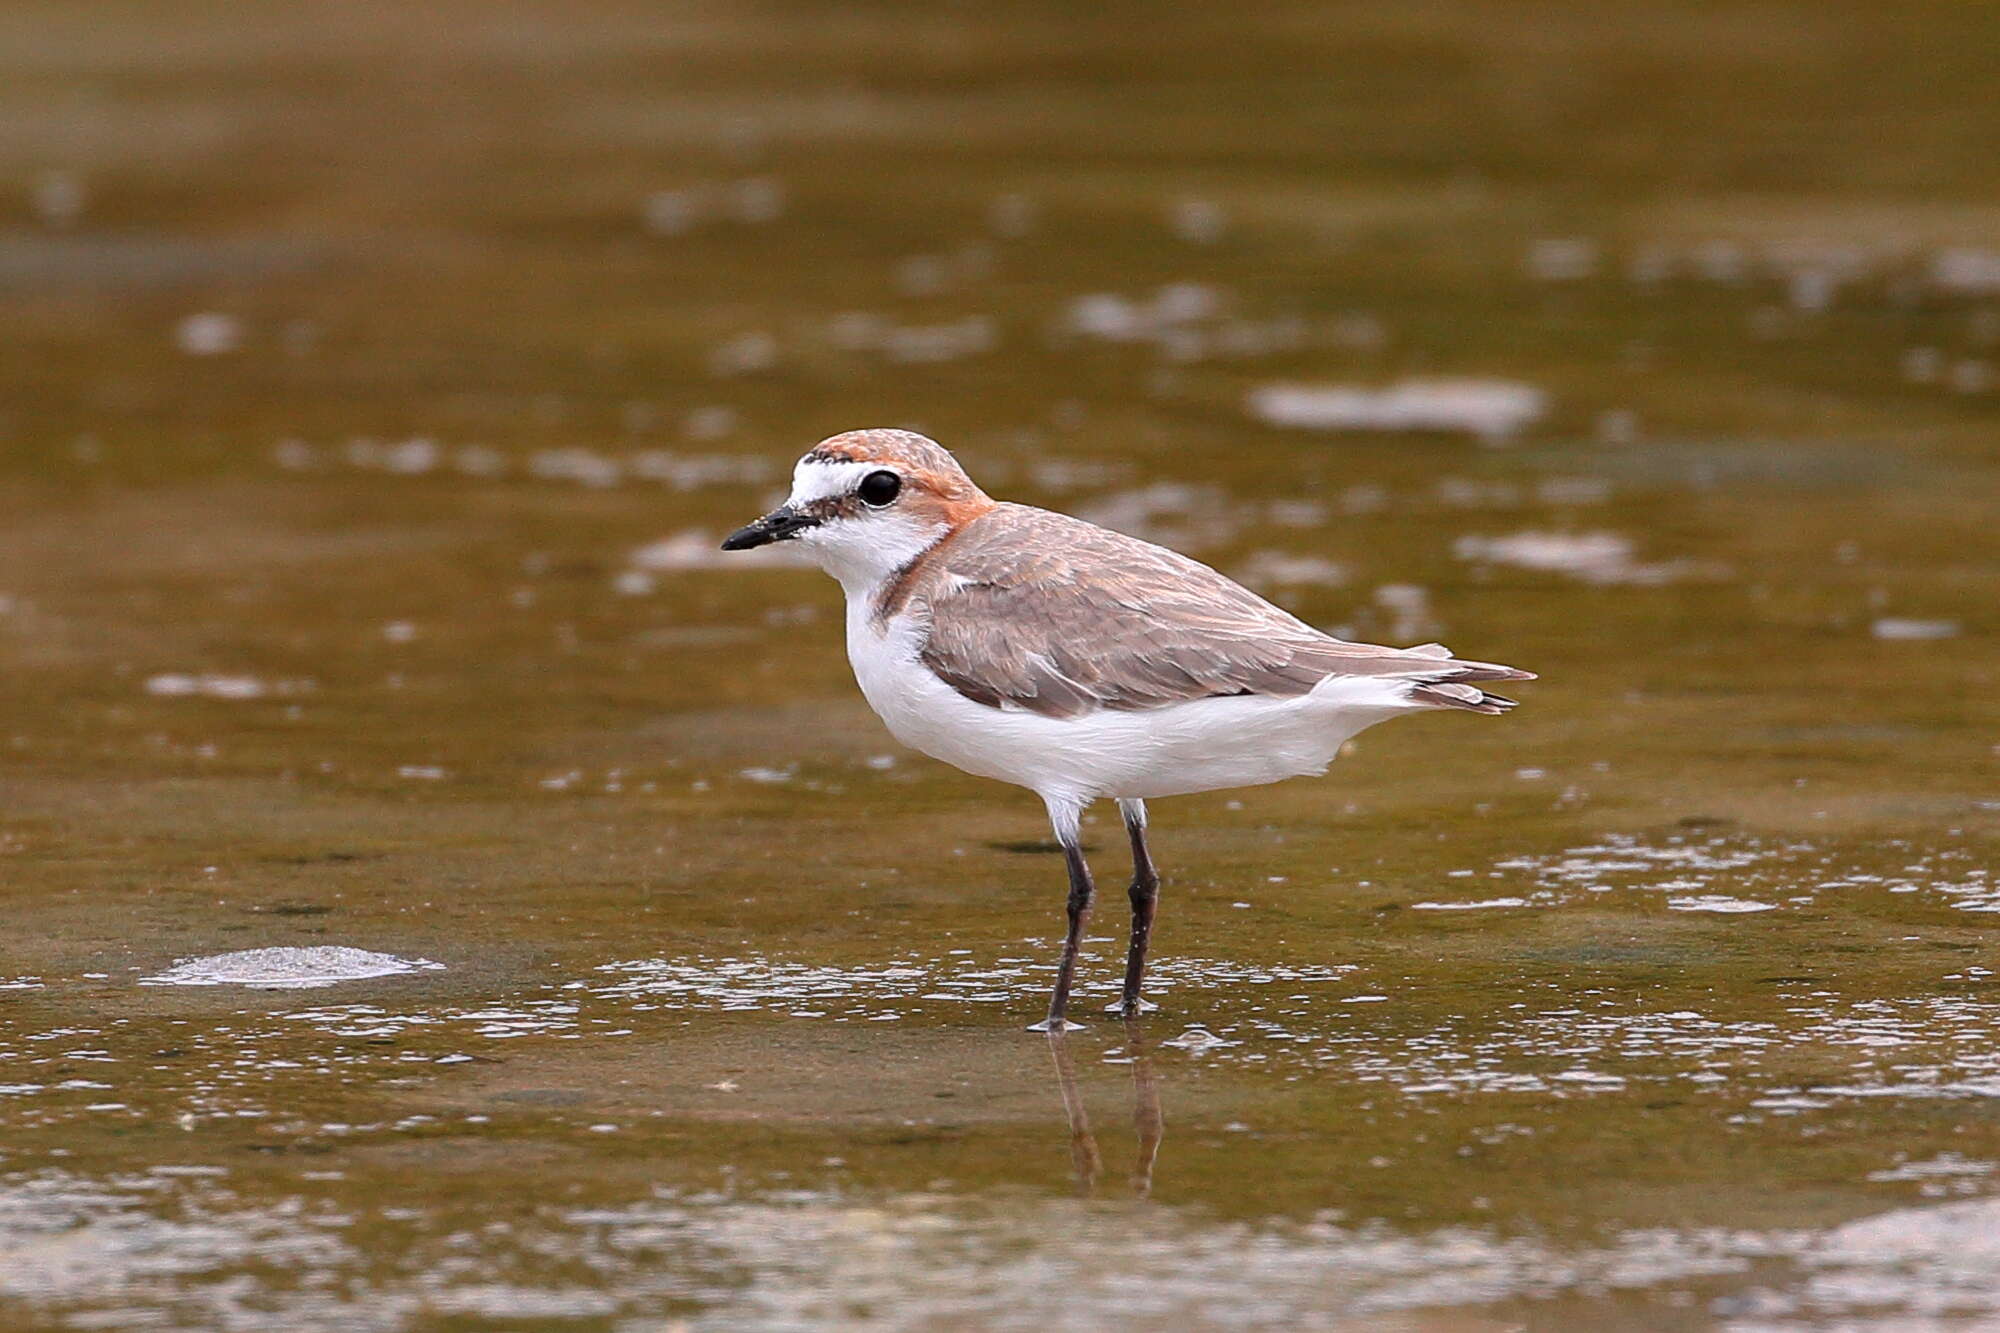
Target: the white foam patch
(1269, 569)
(1469, 907)
(1602, 558)
(288, 968)
(1489, 409)
(1906, 630)
(1714, 902)
(698, 550)
(180, 685)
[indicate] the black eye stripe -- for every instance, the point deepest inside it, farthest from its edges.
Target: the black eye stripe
(879, 488)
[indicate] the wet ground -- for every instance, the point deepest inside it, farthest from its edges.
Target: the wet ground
(377, 384)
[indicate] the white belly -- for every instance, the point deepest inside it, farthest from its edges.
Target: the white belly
(1202, 745)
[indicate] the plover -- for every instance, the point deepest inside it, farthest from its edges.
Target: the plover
(1029, 646)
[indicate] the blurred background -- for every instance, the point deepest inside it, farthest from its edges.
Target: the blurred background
(375, 382)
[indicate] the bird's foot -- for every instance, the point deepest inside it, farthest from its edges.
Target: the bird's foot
(1131, 1009)
(1053, 1024)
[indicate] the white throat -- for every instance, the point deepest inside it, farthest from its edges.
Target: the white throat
(864, 551)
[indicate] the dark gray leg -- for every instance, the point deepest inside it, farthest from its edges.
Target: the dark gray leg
(1145, 893)
(1081, 891)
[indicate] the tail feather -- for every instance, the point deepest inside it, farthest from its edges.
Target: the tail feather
(1462, 670)
(1452, 694)
(1455, 685)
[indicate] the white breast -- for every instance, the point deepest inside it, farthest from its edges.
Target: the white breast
(1203, 745)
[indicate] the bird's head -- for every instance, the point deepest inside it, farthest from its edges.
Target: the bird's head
(866, 503)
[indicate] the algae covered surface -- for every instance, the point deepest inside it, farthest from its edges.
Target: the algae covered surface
(443, 892)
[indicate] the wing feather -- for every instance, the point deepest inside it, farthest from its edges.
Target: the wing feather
(1029, 609)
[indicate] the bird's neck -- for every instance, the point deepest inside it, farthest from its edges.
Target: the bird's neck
(864, 566)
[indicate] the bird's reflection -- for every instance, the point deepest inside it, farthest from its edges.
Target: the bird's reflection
(1148, 1124)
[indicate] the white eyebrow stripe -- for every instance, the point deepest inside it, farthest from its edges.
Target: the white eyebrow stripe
(814, 479)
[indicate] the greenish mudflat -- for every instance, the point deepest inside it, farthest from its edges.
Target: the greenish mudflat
(378, 383)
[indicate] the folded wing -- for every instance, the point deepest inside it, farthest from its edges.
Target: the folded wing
(1035, 610)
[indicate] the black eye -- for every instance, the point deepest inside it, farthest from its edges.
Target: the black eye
(879, 488)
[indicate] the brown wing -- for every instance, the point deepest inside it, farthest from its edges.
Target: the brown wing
(1041, 611)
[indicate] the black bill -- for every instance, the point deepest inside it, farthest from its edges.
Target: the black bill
(778, 525)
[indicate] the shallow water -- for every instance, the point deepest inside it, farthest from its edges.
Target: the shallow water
(381, 389)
